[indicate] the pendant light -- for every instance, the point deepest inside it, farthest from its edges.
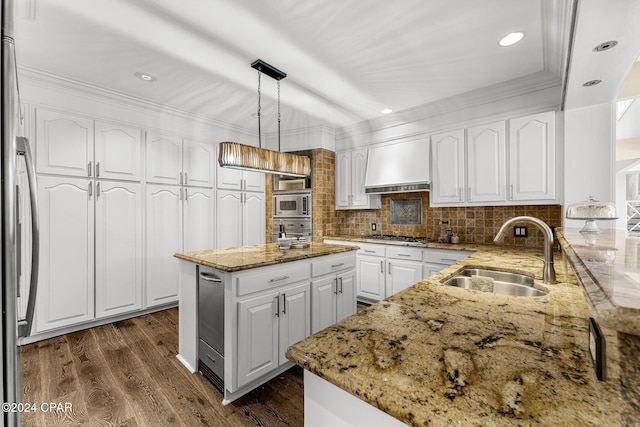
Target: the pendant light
(246, 157)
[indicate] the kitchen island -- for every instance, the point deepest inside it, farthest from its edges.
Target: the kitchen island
(439, 355)
(241, 308)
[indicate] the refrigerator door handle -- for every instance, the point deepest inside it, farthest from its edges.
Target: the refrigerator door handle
(24, 326)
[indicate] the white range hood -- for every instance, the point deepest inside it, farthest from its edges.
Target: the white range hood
(398, 168)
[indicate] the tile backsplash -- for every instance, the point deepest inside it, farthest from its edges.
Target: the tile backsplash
(473, 224)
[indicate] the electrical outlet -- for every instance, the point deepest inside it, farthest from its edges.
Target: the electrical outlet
(520, 231)
(444, 222)
(373, 226)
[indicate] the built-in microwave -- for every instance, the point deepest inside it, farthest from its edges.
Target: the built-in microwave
(292, 205)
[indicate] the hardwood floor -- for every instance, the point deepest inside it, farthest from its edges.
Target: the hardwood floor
(126, 374)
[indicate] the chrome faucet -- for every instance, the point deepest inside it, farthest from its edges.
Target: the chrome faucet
(548, 272)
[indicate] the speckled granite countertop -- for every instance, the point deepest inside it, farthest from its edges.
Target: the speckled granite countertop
(609, 271)
(246, 257)
(435, 245)
(444, 356)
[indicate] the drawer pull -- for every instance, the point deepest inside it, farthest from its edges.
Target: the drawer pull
(369, 251)
(279, 279)
(337, 265)
(381, 266)
(211, 358)
(451, 260)
(210, 278)
(404, 254)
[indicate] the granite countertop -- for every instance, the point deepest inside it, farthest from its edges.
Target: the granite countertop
(609, 271)
(246, 257)
(435, 245)
(439, 356)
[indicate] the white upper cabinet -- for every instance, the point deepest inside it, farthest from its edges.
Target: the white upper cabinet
(532, 153)
(350, 172)
(484, 167)
(117, 151)
(240, 218)
(236, 179)
(447, 157)
(486, 163)
(199, 224)
(164, 158)
(64, 144)
(198, 163)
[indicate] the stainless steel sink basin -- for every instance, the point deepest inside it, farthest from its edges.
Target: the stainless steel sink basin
(504, 283)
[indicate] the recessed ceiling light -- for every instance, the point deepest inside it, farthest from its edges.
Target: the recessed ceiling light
(511, 38)
(386, 110)
(605, 46)
(591, 83)
(145, 77)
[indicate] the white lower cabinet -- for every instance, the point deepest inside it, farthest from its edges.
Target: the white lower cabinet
(91, 240)
(371, 277)
(439, 259)
(333, 299)
(65, 289)
(178, 218)
(402, 274)
(118, 248)
(267, 325)
(240, 218)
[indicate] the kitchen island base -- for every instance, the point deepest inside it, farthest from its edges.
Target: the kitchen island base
(328, 405)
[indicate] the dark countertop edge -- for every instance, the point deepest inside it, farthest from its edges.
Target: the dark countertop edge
(608, 312)
(231, 269)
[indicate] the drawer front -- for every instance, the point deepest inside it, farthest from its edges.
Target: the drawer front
(404, 252)
(332, 264)
(369, 249)
(444, 256)
(284, 274)
(211, 358)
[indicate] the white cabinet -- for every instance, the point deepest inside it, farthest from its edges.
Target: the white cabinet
(171, 159)
(333, 298)
(240, 218)
(532, 153)
(438, 259)
(447, 166)
(178, 219)
(118, 245)
(350, 172)
(404, 268)
(486, 168)
(163, 239)
(117, 151)
(267, 325)
(67, 144)
(65, 289)
(486, 163)
(371, 277)
(235, 179)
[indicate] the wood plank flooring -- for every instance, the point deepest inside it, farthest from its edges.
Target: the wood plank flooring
(126, 374)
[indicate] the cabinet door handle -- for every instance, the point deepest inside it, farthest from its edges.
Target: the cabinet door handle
(389, 268)
(335, 286)
(337, 265)
(186, 195)
(97, 169)
(90, 190)
(89, 167)
(209, 278)
(340, 284)
(97, 191)
(277, 305)
(186, 179)
(180, 191)
(284, 303)
(180, 178)
(381, 266)
(279, 279)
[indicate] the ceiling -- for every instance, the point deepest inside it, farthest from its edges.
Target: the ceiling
(345, 59)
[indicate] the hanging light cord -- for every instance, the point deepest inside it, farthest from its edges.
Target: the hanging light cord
(278, 114)
(259, 113)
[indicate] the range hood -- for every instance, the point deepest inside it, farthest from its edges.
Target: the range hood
(398, 168)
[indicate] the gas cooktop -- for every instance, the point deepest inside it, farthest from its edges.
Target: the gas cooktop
(408, 239)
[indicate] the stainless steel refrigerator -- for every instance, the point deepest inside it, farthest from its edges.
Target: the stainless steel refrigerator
(15, 156)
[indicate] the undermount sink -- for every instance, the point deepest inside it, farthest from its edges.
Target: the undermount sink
(503, 283)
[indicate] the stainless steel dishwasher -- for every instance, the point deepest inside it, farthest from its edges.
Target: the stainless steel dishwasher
(211, 325)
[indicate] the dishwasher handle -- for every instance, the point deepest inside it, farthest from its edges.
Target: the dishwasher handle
(209, 278)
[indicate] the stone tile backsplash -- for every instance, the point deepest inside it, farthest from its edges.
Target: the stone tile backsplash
(473, 224)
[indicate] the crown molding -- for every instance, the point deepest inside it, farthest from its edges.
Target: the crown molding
(46, 79)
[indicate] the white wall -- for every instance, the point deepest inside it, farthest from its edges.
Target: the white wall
(589, 157)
